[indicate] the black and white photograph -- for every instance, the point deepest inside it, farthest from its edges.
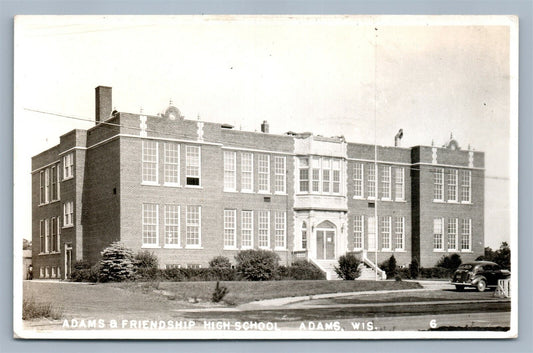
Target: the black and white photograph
(265, 177)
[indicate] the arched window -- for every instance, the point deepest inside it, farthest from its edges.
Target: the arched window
(304, 235)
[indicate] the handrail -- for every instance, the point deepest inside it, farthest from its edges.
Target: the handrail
(373, 266)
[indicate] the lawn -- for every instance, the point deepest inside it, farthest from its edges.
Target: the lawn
(243, 291)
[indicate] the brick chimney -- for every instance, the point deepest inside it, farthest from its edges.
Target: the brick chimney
(265, 127)
(103, 103)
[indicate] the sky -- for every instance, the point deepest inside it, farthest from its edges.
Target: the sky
(359, 76)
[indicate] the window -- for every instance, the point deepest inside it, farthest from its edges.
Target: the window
(53, 231)
(452, 234)
(264, 172)
(399, 183)
(385, 233)
(149, 162)
(229, 229)
(326, 170)
(466, 186)
(358, 227)
(371, 184)
(53, 272)
(46, 235)
(58, 272)
(247, 174)
(150, 225)
(47, 272)
(385, 182)
(172, 163)
(247, 235)
(399, 239)
(264, 229)
(172, 226)
(452, 185)
(230, 174)
(315, 174)
(280, 230)
(68, 214)
(279, 170)
(371, 233)
(47, 185)
(41, 272)
(466, 235)
(304, 235)
(304, 174)
(358, 172)
(193, 235)
(53, 182)
(438, 184)
(336, 165)
(42, 198)
(437, 234)
(192, 163)
(42, 230)
(68, 166)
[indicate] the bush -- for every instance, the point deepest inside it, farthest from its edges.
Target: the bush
(33, 310)
(414, 269)
(219, 293)
(304, 270)
(405, 273)
(220, 262)
(146, 265)
(117, 264)
(348, 268)
(435, 272)
(198, 274)
(257, 265)
(389, 266)
(82, 271)
(450, 262)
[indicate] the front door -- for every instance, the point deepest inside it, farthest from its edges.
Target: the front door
(68, 261)
(325, 244)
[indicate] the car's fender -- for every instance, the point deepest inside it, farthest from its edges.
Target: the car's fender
(476, 279)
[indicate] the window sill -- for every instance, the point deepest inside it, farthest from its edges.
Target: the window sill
(467, 251)
(54, 201)
(230, 248)
(466, 203)
(263, 192)
(147, 183)
(452, 201)
(358, 198)
(264, 248)
(438, 250)
(400, 200)
(357, 249)
(247, 191)
(68, 226)
(150, 246)
(280, 193)
(246, 247)
(172, 185)
(233, 191)
(171, 246)
(280, 249)
(193, 186)
(193, 247)
(438, 201)
(68, 178)
(386, 199)
(386, 250)
(400, 250)
(370, 198)
(453, 250)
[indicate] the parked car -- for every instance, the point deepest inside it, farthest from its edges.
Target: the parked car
(478, 274)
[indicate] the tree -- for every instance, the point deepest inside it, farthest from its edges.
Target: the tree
(257, 265)
(348, 268)
(450, 262)
(220, 262)
(502, 256)
(117, 264)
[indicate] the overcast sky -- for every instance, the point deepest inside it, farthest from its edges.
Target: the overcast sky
(332, 76)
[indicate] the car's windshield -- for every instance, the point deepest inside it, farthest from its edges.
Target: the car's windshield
(465, 267)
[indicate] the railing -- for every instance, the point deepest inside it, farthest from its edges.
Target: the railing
(382, 274)
(504, 288)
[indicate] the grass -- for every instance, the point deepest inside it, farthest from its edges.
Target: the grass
(240, 292)
(36, 310)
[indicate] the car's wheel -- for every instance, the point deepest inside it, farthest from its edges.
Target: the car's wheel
(481, 285)
(460, 288)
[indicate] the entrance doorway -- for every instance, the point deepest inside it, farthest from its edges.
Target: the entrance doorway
(68, 260)
(325, 241)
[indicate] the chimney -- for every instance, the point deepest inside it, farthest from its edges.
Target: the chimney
(397, 138)
(103, 103)
(264, 127)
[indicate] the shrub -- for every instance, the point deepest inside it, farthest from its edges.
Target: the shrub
(220, 262)
(304, 270)
(435, 272)
(404, 273)
(219, 293)
(82, 271)
(33, 310)
(146, 265)
(397, 278)
(389, 266)
(348, 268)
(414, 269)
(117, 264)
(450, 262)
(257, 265)
(198, 274)
(282, 273)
